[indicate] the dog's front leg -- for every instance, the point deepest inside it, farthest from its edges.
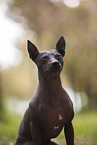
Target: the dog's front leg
(69, 133)
(35, 132)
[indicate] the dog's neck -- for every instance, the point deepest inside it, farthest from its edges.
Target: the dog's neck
(50, 83)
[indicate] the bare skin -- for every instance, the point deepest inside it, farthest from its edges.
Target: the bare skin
(50, 109)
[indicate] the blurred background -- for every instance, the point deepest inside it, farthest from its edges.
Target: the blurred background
(43, 22)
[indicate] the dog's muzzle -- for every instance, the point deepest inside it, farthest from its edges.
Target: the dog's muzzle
(55, 67)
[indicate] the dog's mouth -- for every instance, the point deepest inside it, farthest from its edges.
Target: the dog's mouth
(51, 72)
(53, 69)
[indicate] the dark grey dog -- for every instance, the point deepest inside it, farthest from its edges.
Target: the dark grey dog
(50, 108)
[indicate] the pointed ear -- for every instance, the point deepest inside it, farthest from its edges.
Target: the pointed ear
(60, 46)
(33, 51)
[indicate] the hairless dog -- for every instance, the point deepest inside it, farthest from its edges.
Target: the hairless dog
(50, 109)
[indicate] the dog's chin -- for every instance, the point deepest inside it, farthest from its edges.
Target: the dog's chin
(55, 70)
(53, 74)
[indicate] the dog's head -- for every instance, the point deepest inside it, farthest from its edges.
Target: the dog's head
(49, 62)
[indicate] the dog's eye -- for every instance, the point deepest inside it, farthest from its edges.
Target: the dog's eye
(44, 58)
(58, 56)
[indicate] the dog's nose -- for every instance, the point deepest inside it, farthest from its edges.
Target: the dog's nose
(55, 64)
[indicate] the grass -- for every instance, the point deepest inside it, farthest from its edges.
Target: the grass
(85, 127)
(9, 124)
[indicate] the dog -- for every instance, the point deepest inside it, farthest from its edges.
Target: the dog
(50, 109)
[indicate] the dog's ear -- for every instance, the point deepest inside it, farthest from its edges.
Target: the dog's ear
(32, 49)
(60, 46)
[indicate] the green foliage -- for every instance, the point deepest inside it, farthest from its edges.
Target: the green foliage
(9, 124)
(85, 128)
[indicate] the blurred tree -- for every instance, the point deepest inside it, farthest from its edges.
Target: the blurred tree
(50, 20)
(1, 102)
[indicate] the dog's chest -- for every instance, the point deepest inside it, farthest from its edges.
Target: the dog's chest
(52, 119)
(52, 114)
